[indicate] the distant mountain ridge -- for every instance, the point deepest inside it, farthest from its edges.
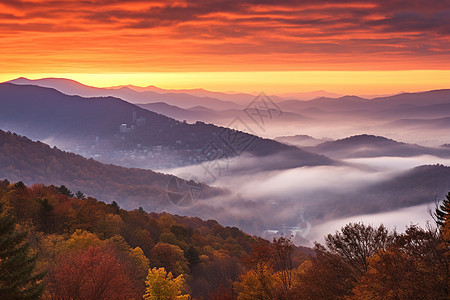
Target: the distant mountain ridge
(150, 93)
(320, 98)
(374, 146)
(321, 112)
(413, 115)
(72, 87)
(300, 140)
(354, 102)
(430, 123)
(219, 117)
(190, 115)
(230, 96)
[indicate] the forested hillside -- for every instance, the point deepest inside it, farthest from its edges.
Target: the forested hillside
(34, 162)
(120, 246)
(80, 248)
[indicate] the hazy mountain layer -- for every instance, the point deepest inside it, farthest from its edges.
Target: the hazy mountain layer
(114, 131)
(374, 146)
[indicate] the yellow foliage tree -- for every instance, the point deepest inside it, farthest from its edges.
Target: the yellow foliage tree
(82, 239)
(163, 286)
(258, 283)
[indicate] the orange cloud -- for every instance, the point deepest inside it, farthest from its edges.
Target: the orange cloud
(219, 35)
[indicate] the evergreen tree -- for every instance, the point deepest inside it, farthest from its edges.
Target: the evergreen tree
(65, 191)
(442, 210)
(17, 277)
(442, 215)
(46, 215)
(192, 255)
(20, 185)
(116, 207)
(80, 195)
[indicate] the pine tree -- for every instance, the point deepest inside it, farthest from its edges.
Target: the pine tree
(442, 210)
(65, 191)
(17, 277)
(45, 215)
(192, 255)
(442, 215)
(116, 207)
(80, 195)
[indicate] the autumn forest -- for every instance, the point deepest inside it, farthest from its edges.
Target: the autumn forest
(59, 245)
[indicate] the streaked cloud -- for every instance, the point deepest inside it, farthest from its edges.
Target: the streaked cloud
(148, 36)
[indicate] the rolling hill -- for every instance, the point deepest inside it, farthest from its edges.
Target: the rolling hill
(374, 146)
(421, 185)
(34, 162)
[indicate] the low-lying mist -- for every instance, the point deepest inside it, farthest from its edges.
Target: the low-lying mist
(398, 219)
(343, 125)
(399, 163)
(305, 201)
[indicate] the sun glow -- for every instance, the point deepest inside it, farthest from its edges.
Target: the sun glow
(344, 82)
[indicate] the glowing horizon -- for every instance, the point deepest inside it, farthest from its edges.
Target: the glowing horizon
(341, 82)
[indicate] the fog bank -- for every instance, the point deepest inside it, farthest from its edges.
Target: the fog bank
(397, 219)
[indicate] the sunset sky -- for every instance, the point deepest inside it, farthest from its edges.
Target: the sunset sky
(297, 46)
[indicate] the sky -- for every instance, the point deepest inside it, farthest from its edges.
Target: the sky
(343, 46)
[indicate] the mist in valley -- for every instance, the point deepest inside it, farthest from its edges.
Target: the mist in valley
(307, 202)
(398, 219)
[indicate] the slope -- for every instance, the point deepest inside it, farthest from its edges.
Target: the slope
(34, 162)
(374, 146)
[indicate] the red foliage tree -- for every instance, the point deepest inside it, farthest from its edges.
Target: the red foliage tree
(93, 273)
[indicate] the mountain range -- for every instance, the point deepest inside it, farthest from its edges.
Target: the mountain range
(127, 93)
(115, 131)
(184, 98)
(334, 116)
